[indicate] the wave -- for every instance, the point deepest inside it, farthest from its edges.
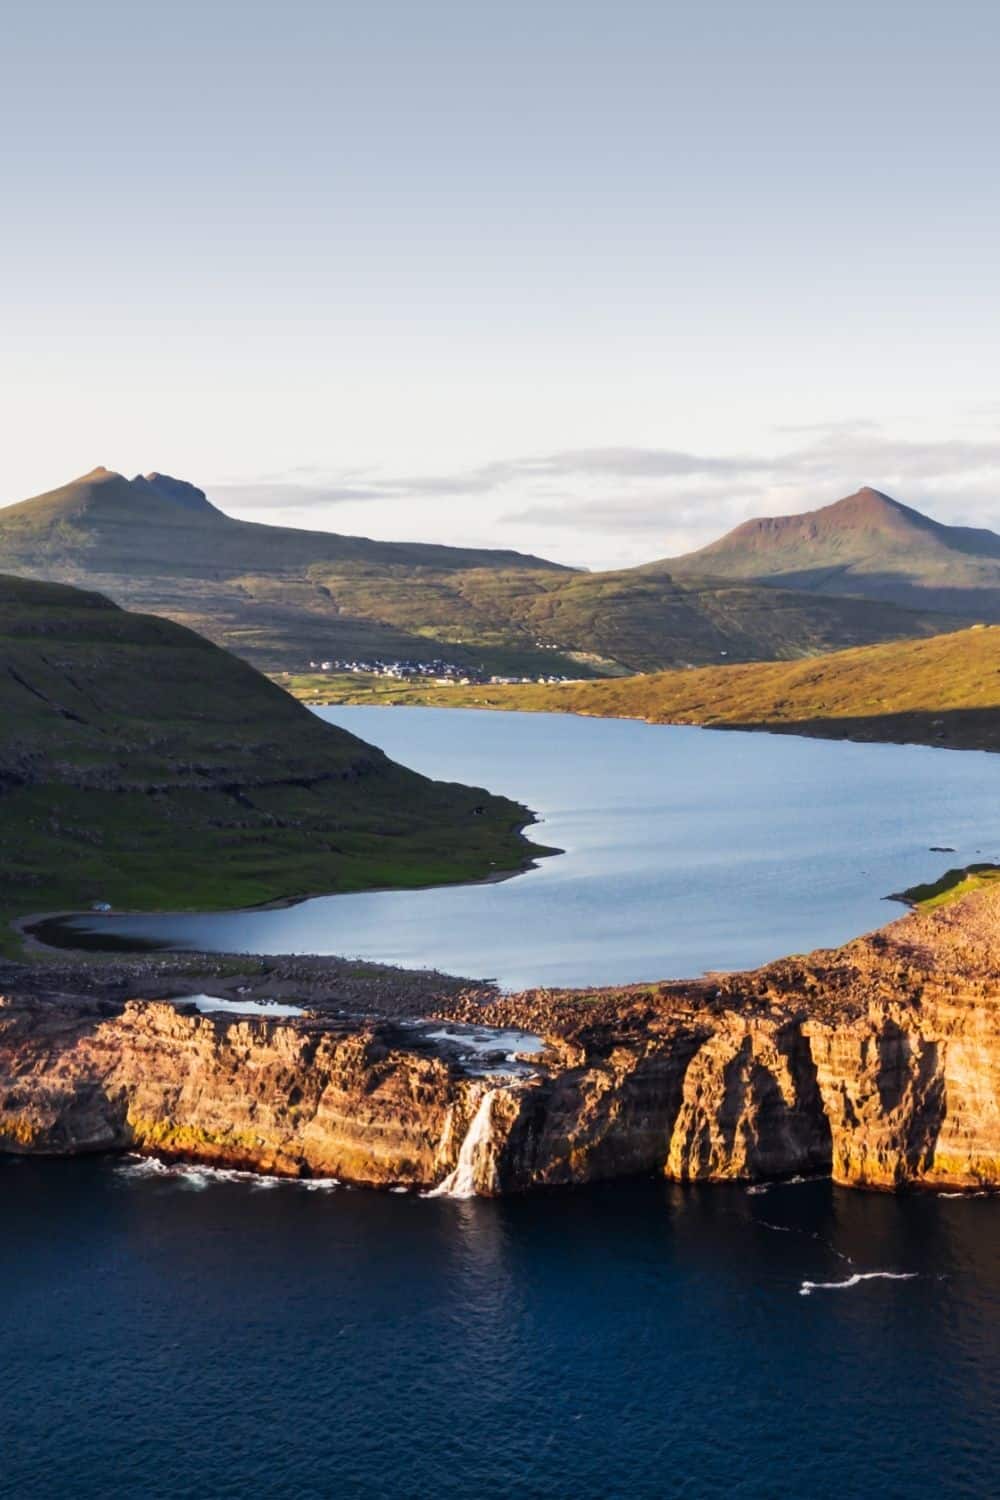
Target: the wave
(808, 1287)
(195, 1176)
(783, 1182)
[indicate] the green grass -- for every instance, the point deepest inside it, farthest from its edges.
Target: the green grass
(629, 620)
(363, 688)
(952, 886)
(141, 765)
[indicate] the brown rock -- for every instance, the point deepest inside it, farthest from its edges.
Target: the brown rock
(878, 1062)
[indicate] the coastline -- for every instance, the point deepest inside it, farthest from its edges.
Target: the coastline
(854, 1063)
(827, 729)
(22, 925)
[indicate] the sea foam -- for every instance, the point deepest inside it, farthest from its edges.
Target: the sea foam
(808, 1287)
(196, 1177)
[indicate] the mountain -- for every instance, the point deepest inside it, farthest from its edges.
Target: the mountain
(281, 597)
(142, 765)
(866, 545)
(942, 691)
(266, 592)
(153, 518)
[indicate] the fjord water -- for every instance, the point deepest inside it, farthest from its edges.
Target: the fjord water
(685, 850)
(188, 1336)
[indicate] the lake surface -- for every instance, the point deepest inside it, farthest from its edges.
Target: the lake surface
(168, 1336)
(685, 850)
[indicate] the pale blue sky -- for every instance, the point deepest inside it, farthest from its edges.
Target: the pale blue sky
(597, 280)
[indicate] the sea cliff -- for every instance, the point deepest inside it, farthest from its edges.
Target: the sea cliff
(877, 1063)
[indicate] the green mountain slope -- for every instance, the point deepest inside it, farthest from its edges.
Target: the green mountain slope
(866, 545)
(630, 620)
(156, 543)
(942, 691)
(153, 518)
(142, 765)
(281, 597)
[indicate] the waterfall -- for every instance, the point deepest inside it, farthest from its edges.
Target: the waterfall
(475, 1159)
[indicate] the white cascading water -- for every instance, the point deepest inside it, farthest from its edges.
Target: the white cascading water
(475, 1159)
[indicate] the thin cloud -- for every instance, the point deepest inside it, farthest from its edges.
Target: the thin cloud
(674, 498)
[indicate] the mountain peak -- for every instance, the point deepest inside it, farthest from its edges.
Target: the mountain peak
(869, 492)
(868, 498)
(868, 517)
(103, 496)
(866, 544)
(866, 508)
(179, 491)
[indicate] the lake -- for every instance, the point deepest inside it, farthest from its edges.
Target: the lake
(685, 850)
(187, 1335)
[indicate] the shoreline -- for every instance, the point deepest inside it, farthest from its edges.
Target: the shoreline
(22, 924)
(838, 1063)
(861, 729)
(805, 730)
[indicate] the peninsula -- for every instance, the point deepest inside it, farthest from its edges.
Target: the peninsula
(143, 767)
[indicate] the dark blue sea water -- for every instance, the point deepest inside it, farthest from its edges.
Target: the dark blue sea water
(185, 1336)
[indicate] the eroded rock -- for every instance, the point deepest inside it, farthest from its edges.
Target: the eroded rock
(878, 1062)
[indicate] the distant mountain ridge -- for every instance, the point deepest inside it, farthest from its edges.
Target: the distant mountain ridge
(281, 597)
(121, 515)
(866, 545)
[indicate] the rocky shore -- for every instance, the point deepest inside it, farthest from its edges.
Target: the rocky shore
(877, 1063)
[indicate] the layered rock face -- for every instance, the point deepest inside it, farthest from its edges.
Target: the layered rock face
(878, 1062)
(290, 1098)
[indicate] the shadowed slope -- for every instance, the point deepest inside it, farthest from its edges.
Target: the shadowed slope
(141, 764)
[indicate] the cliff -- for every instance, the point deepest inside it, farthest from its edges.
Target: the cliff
(878, 1062)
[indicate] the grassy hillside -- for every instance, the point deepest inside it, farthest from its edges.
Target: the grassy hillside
(156, 544)
(866, 545)
(627, 620)
(280, 597)
(141, 765)
(941, 691)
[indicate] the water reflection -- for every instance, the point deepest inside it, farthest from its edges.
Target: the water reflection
(685, 850)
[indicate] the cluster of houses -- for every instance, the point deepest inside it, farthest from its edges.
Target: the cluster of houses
(443, 673)
(508, 681)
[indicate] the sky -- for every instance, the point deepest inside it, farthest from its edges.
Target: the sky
(596, 281)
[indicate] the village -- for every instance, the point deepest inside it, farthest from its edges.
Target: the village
(441, 673)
